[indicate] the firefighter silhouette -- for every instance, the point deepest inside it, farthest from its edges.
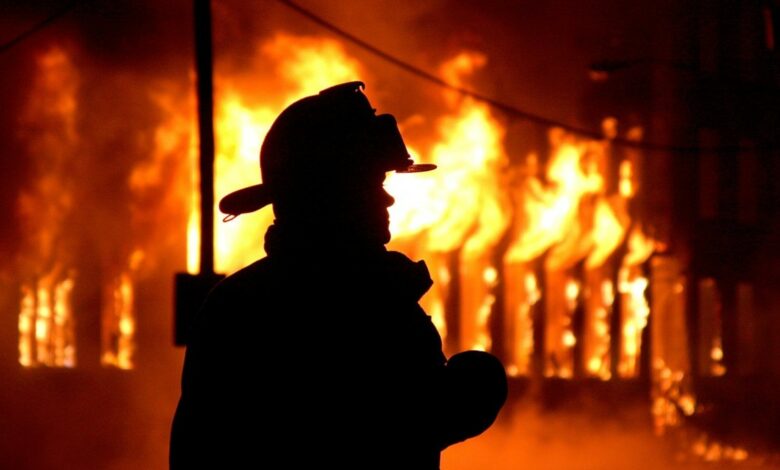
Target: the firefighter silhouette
(319, 353)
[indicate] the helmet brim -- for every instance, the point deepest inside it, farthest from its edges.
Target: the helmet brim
(256, 197)
(245, 200)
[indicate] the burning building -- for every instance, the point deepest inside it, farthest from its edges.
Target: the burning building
(616, 248)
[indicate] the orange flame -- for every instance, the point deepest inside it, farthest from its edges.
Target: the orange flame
(118, 317)
(634, 306)
(46, 325)
(462, 201)
(571, 218)
(306, 65)
(462, 204)
(46, 328)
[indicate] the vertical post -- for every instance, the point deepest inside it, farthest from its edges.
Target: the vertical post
(191, 290)
(203, 64)
(539, 315)
(452, 304)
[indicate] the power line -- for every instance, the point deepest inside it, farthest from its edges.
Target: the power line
(37, 27)
(504, 107)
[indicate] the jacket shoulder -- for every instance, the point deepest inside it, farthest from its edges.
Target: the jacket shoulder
(248, 277)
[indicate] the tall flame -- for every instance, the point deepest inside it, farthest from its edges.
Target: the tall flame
(462, 204)
(635, 309)
(455, 217)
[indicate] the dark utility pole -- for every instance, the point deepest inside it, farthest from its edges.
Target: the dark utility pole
(191, 290)
(203, 64)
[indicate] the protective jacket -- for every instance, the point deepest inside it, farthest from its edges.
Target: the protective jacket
(314, 357)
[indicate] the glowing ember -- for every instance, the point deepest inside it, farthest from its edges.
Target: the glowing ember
(711, 450)
(597, 339)
(521, 294)
(562, 295)
(711, 329)
(671, 397)
(671, 384)
(626, 184)
(572, 293)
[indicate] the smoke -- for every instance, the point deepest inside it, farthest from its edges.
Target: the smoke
(592, 435)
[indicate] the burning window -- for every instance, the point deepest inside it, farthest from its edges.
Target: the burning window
(535, 249)
(51, 280)
(46, 320)
(506, 242)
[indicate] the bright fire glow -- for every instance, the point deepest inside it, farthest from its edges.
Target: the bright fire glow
(464, 208)
(461, 204)
(118, 329)
(597, 337)
(635, 309)
(521, 295)
(307, 65)
(672, 398)
(46, 323)
(46, 326)
(549, 212)
(562, 218)
(566, 218)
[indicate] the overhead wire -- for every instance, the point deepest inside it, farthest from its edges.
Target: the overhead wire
(425, 75)
(37, 27)
(500, 105)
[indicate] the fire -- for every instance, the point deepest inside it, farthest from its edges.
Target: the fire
(566, 219)
(46, 318)
(239, 132)
(175, 137)
(711, 450)
(46, 321)
(635, 309)
(462, 204)
(306, 65)
(626, 185)
(520, 319)
(118, 317)
(549, 213)
(671, 398)
(608, 232)
(598, 313)
(575, 255)
(711, 334)
(455, 217)
(46, 326)
(310, 64)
